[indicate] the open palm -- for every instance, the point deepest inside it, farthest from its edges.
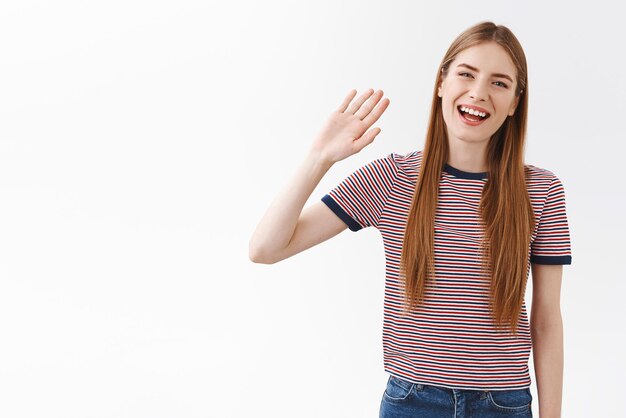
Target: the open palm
(346, 130)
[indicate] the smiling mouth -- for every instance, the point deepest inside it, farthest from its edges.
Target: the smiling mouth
(470, 117)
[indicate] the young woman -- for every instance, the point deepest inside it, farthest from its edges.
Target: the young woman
(463, 222)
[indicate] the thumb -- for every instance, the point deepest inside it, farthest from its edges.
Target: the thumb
(367, 138)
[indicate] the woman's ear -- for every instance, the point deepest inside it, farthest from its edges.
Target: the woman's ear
(514, 106)
(442, 79)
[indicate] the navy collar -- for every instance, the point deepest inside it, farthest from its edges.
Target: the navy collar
(464, 174)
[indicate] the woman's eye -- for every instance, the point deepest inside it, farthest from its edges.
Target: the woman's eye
(468, 74)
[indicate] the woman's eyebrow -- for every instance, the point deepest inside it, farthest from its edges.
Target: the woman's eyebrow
(494, 74)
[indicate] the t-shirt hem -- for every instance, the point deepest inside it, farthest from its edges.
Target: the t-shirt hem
(460, 386)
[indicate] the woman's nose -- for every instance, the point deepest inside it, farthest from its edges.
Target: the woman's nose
(478, 92)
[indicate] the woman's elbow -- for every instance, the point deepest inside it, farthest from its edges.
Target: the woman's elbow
(257, 255)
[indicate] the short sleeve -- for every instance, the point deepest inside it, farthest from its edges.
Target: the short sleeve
(552, 242)
(360, 198)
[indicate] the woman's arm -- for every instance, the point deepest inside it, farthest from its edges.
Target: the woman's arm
(285, 229)
(546, 327)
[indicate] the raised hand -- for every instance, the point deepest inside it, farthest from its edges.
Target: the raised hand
(347, 130)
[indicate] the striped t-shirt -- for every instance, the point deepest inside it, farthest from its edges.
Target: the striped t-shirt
(451, 340)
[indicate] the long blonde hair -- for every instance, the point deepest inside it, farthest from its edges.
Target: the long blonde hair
(505, 207)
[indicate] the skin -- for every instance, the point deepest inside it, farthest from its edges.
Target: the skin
(468, 144)
(546, 327)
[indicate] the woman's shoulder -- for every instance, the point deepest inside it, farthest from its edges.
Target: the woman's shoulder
(540, 178)
(538, 171)
(408, 162)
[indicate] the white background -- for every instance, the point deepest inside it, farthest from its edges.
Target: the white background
(142, 141)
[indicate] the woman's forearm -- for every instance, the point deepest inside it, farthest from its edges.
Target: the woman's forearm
(277, 226)
(548, 361)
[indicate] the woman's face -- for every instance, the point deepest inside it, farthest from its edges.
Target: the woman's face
(478, 77)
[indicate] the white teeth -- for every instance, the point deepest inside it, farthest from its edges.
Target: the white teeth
(473, 112)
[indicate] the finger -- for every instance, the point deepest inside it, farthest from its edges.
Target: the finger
(376, 113)
(346, 101)
(366, 139)
(369, 105)
(357, 104)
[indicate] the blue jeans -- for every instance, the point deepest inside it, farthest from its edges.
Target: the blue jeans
(403, 399)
